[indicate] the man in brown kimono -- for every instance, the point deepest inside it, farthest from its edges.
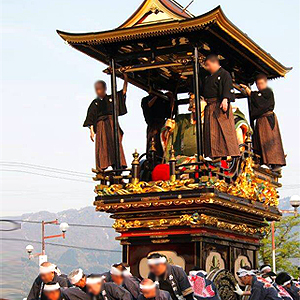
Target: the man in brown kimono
(266, 137)
(100, 121)
(220, 138)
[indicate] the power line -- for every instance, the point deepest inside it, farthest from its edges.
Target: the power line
(75, 225)
(42, 167)
(60, 245)
(45, 170)
(45, 175)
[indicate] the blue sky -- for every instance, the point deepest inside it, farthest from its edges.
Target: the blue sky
(47, 86)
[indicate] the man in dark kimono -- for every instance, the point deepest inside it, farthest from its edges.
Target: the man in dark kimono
(171, 278)
(260, 289)
(220, 138)
(156, 110)
(47, 274)
(119, 275)
(266, 138)
(150, 291)
(284, 280)
(100, 290)
(76, 293)
(100, 121)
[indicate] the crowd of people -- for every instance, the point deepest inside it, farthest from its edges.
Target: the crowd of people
(165, 282)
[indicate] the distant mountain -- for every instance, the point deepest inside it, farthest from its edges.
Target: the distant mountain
(23, 271)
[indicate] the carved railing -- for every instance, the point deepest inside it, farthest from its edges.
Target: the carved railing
(242, 177)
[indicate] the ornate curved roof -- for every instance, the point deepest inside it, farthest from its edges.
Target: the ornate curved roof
(213, 30)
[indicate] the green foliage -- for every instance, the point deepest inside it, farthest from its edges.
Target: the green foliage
(287, 242)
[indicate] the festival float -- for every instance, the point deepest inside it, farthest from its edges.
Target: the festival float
(207, 213)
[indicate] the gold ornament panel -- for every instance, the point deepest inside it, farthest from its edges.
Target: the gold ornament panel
(193, 220)
(143, 187)
(249, 186)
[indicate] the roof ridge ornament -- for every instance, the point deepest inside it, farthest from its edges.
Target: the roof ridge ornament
(154, 9)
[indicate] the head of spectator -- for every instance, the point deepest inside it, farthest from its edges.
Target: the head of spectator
(47, 271)
(94, 284)
(245, 275)
(284, 279)
(52, 291)
(116, 273)
(157, 263)
(77, 278)
(126, 272)
(264, 269)
(148, 288)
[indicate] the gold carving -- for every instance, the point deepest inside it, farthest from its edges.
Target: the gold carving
(164, 241)
(194, 220)
(248, 186)
(211, 200)
(148, 187)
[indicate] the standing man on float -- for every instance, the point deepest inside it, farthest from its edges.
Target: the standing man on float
(220, 138)
(99, 119)
(266, 137)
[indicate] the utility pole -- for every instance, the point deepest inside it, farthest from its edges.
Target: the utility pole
(42, 255)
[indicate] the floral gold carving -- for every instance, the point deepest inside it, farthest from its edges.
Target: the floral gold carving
(185, 220)
(143, 187)
(248, 186)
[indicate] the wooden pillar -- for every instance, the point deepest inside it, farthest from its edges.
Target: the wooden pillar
(249, 109)
(197, 103)
(114, 95)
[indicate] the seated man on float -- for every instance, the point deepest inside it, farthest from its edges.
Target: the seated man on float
(181, 132)
(121, 276)
(98, 289)
(149, 290)
(172, 279)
